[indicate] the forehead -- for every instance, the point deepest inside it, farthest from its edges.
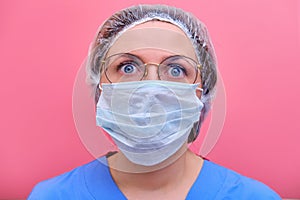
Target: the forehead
(153, 35)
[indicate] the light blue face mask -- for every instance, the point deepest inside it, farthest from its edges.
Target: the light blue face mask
(148, 120)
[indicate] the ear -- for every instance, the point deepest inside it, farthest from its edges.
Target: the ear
(194, 132)
(97, 94)
(197, 126)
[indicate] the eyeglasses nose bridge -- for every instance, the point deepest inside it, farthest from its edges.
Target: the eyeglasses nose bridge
(149, 63)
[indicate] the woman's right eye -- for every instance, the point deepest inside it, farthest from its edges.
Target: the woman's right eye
(127, 68)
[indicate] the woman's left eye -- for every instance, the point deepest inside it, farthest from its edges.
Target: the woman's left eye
(176, 70)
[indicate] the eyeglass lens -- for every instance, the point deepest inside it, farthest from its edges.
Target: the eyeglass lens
(127, 67)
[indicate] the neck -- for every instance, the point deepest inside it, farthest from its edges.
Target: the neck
(166, 177)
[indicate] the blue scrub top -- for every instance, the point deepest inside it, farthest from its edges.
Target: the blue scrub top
(93, 181)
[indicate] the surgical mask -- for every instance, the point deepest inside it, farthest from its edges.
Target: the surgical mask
(148, 120)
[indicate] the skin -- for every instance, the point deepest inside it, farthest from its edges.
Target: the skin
(171, 179)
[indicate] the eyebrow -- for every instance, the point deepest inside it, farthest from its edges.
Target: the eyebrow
(142, 58)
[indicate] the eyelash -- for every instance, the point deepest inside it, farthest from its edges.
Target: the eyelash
(119, 66)
(181, 68)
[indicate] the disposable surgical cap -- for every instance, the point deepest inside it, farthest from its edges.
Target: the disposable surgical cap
(125, 19)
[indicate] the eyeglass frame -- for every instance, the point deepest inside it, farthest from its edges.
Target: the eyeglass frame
(197, 66)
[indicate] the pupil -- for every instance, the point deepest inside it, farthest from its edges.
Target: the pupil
(175, 72)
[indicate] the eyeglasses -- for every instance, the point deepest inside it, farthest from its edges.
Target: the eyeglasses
(126, 67)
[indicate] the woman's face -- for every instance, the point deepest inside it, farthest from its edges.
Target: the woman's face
(154, 55)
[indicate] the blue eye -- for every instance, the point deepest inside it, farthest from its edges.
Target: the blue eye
(128, 68)
(176, 70)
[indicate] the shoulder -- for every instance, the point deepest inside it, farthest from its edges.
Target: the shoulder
(235, 185)
(65, 186)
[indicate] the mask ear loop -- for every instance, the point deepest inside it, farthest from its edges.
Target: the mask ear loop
(199, 89)
(100, 87)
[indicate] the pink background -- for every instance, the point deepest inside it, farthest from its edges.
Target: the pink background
(43, 44)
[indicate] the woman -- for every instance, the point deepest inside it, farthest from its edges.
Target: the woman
(153, 69)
